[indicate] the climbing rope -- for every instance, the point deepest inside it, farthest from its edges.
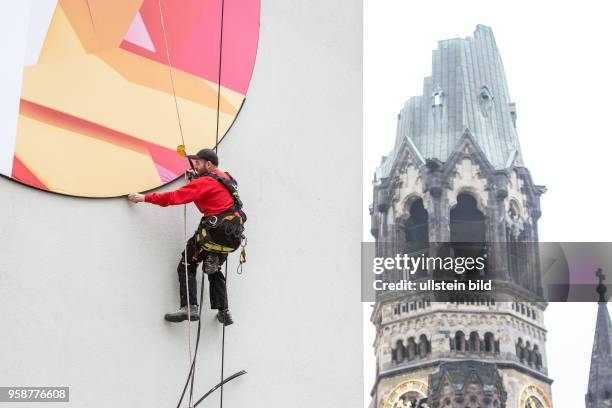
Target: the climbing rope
(93, 25)
(216, 149)
(219, 81)
(222, 382)
(193, 357)
(192, 371)
(185, 260)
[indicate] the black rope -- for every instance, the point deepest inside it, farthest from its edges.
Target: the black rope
(191, 374)
(193, 364)
(219, 75)
(228, 379)
(195, 354)
(216, 150)
(223, 346)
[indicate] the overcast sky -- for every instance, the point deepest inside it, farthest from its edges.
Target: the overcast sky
(557, 61)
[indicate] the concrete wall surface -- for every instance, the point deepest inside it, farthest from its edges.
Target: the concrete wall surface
(84, 283)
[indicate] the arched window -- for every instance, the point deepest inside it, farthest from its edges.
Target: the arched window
(437, 97)
(474, 342)
(528, 353)
(424, 347)
(398, 354)
(520, 349)
(467, 228)
(460, 341)
(489, 342)
(411, 349)
(417, 227)
(417, 232)
(537, 357)
(467, 221)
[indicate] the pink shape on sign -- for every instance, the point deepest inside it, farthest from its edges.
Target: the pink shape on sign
(138, 35)
(165, 175)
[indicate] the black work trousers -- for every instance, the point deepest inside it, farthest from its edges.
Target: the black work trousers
(211, 264)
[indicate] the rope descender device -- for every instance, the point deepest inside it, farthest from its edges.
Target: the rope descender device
(180, 149)
(242, 258)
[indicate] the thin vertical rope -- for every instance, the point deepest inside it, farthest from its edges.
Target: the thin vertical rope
(185, 261)
(216, 150)
(219, 86)
(93, 25)
(193, 359)
(223, 346)
(178, 113)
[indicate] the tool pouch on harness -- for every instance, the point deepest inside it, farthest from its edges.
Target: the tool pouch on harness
(223, 233)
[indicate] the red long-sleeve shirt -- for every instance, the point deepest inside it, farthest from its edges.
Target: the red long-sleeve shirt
(210, 196)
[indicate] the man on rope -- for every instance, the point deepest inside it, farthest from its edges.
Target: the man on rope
(210, 191)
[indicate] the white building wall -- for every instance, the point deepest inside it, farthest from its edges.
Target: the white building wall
(84, 283)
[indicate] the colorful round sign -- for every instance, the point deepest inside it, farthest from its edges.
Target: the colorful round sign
(97, 114)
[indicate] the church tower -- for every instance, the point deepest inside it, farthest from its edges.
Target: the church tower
(456, 173)
(599, 393)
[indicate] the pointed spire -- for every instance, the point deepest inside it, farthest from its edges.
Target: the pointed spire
(601, 288)
(599, 393)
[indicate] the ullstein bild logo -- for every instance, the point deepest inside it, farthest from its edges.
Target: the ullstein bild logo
(431, 285)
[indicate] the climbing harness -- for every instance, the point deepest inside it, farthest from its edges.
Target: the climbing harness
(221, 231)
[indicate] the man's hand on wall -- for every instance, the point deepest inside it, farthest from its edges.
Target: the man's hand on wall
(136, 197)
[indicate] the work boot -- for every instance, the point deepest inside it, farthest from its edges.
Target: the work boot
(224, 317)
(182, 314)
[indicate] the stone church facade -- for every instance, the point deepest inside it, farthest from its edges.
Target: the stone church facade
(456, 173)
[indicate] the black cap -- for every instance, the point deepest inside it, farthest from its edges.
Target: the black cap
(206, 154)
